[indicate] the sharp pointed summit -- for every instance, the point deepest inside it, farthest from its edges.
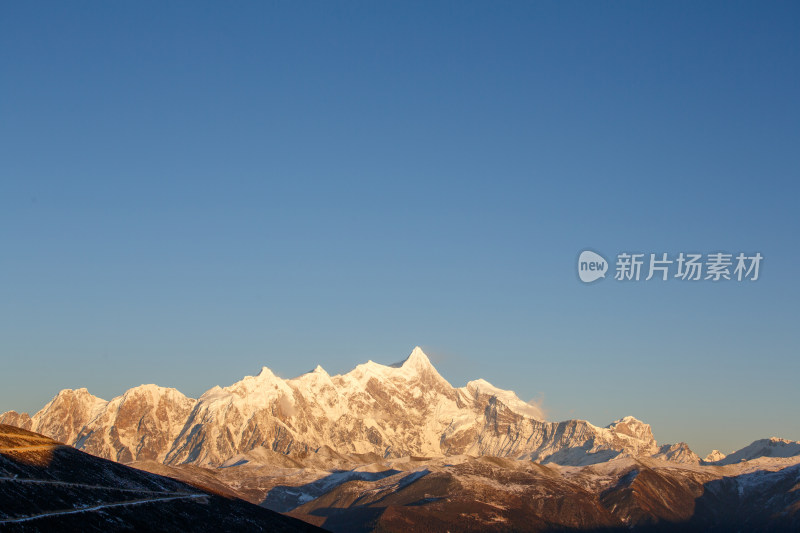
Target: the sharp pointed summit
(266, 373)
(417, 359)
(418, 355)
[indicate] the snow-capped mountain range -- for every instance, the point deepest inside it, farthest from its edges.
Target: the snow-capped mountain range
(405, 409)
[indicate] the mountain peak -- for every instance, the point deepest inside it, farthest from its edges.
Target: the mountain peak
(73, 395)
(714, 456)
(317, 372)
(677, 453)
(83, 391)
(509, 398)
(154, 392)
(772, 447)
(417, 359)
(266, 373)
(633, 427)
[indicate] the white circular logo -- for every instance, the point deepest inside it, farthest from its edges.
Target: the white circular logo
(591, 266)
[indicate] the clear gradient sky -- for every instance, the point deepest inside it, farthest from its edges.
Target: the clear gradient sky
(190, 191)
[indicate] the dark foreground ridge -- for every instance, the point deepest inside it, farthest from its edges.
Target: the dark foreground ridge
(48, 486)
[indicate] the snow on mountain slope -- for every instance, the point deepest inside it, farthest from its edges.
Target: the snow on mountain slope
(480, 387)
(405, 409)
(714, 456)
(678, 453)
(390, 410)
(499, 494)
(773, 447)
(13, 418)
(67, 414)
(141, 424)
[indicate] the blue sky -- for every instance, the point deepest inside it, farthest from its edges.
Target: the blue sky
(190, 191)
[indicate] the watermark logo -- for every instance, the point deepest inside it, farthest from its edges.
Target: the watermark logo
(685, 266)
(591, 266)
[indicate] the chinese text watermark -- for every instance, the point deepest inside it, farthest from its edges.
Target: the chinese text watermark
(684, 266)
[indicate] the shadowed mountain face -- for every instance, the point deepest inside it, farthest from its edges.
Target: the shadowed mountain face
(47, 486)
(467, 493)
(488, 494)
